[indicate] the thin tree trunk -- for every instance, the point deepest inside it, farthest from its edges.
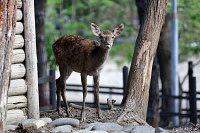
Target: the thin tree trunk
(153, 104)
(7, 32)
(140, 72)
(43, 70)
(164, 63)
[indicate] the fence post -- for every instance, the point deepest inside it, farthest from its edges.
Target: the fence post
(53, 89)
(193, 100)
(125, 79)
(190, 70)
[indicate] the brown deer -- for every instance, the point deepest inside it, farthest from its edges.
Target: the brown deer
(74, 53)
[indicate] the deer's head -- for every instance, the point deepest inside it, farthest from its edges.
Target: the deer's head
(106, 37)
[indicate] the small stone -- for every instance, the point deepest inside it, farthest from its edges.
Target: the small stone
(160, 130)
(128, 129)
(83, 131)
(32, 124)
(11, 127)
(47, 120)
(119, 132)
(62, 129)
(98, 131)
(108, 126)
(64, 121)
(143, 129)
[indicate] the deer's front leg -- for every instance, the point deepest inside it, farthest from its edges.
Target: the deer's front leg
(96, 93)
(84, 85)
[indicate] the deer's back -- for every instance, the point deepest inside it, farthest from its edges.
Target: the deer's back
(75, 52)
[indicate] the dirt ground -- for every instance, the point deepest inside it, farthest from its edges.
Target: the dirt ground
(90, 113)
(91, 116)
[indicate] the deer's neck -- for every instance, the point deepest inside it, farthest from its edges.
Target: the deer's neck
(100, 54)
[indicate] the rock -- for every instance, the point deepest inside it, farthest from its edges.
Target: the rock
(119, 132)
(83, 131)
(160, 130)
(32, 124)
(62, 129)
(143, 129)
(128, 129)
(108, 126)
(47, 120)
(64, 121)
(11, 127)
(98, 131)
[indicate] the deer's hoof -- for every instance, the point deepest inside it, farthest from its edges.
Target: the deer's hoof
(68, 113)
(100, 115)
(59, 110)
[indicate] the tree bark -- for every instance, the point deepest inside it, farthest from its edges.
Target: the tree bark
(153, 104)
(140, 72)
(164, 53)
(8, 9)
(40, 7)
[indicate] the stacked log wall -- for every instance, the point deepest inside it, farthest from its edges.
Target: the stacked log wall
(17, 94)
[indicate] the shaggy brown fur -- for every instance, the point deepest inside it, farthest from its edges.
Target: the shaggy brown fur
(74, 53)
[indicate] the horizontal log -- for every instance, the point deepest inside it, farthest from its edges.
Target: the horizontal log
(17, 102)
(19, 4)
(18, 56)
(17, 87)
(14, 117)
(19, 28)
(17, 71)
(19, 42)
(19, 15)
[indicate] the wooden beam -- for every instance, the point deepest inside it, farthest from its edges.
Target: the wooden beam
(18, 56)
(19, 15)
(19, 3)
(19, 28)
(17, 71)
(17, 102)
(19, 42)
(17, 87)
(31, 59)
(14, 117)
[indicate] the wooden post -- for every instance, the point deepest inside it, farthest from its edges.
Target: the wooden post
(31, 59)
(193, 101)
(53, 89)
(190, 70)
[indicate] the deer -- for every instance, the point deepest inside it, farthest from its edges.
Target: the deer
(75, 53)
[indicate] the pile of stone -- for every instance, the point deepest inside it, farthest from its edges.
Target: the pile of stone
(70, 125)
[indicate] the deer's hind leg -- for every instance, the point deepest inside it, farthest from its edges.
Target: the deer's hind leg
(84, 85)
(61, 88)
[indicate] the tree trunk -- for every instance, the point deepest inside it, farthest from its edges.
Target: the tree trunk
(164, 63)
(140, 72)
(153, 104)
(40, 7)
(8, 9)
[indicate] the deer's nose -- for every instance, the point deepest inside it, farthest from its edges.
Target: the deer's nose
(107, 43)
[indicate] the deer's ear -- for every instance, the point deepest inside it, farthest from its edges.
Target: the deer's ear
(117, 31)
(95, 29)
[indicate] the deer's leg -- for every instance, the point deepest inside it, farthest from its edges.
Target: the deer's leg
(84, 85)
(96, 93)
(63, 89)
(58, 96)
